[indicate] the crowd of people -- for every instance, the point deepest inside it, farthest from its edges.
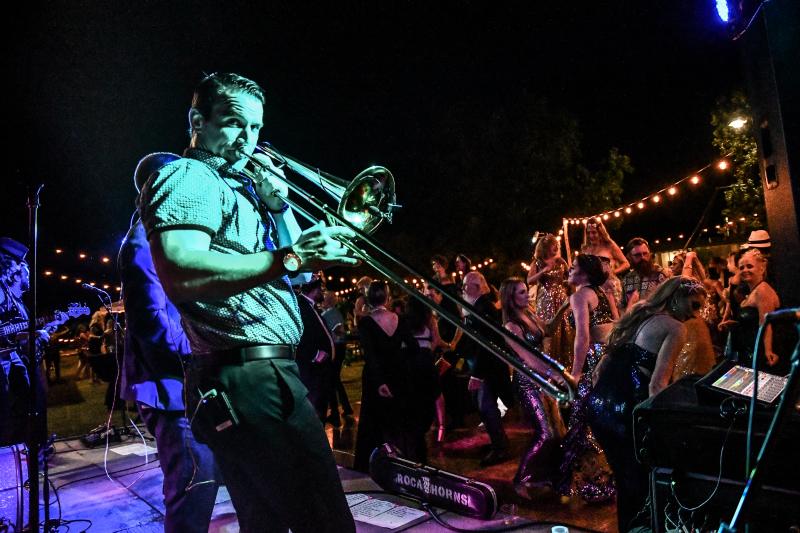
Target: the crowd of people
(624, 326)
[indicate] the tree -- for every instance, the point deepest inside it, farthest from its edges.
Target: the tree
(499, 173)
(745, 199)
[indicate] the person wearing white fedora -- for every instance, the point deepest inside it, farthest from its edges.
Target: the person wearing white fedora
(759, 239)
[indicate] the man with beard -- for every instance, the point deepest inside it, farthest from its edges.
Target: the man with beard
(14, 379)
(644, 275)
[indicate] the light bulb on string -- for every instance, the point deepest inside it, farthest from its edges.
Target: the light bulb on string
(672, 191)
(640, 205)
(628, 210)
(723, 165)
(694, 180)
(656, 198)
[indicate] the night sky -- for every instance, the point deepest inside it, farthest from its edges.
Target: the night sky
(94, 86)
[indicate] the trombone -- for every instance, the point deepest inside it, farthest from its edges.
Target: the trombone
(363, 204)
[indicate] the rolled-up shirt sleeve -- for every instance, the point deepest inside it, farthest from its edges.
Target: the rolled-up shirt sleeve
(184, 194)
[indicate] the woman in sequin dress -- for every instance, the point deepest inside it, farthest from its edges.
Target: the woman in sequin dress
(642, 350)
(538, 468)
(549, 271)
(584, 469)
(697, 355)
(597, 241)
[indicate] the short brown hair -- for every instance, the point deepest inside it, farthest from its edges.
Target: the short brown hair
(211, 88)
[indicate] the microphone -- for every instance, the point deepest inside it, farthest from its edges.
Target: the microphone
(94, 289)
(790, 314)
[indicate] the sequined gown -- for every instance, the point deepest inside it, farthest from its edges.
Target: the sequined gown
(623, 383)
(550, 295)
(538, 466)
(584, 469)
(697, 355)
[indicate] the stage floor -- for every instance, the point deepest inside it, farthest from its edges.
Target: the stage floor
(119, 490)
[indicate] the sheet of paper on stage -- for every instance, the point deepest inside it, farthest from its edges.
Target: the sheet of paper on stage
(134, 449)
(356, 498)
(384, 514)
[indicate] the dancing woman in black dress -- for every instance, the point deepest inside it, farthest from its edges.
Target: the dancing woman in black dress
(384, 379)
(642, 350)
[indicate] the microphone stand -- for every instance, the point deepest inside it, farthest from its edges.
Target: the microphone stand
(107, 303)
(36, 418)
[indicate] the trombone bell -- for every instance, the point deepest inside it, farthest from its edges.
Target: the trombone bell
(368, 200)
(365, 202)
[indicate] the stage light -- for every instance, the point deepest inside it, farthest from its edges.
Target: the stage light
(694, 180)
(722, 10)
(672, 191)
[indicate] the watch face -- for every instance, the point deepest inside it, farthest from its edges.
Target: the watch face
(291, 262)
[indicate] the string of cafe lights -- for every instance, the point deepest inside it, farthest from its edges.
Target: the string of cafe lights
(82, 256)
(724, 228)
(655, 198)
(417, 283)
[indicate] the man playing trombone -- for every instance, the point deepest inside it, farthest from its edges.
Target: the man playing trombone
(221, 244)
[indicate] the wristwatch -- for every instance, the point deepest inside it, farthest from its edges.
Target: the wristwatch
(291, 261)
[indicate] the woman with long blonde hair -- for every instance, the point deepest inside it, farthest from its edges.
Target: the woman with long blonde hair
(597, 241)
(549, 272)
(538, 467)
(642, 350)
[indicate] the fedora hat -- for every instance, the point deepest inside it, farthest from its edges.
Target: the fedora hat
(12, 248)
(758, 239)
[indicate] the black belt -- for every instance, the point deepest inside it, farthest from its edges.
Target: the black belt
(237, 356)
